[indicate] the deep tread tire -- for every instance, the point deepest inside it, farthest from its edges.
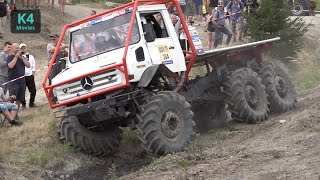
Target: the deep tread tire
(209, 115)
(161, 112)
(99, 143)
(281, 97)
(246, 98)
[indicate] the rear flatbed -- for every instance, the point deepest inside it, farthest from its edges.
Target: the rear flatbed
(233, 53)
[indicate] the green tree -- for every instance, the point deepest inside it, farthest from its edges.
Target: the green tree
(273, 20)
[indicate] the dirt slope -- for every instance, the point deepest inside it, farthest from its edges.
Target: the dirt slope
(269, 150)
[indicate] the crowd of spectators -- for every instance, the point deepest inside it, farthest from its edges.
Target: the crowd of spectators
(17, 71)
(215, 13)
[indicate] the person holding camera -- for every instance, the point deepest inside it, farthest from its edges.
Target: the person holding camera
(29, 76)
(17, 63)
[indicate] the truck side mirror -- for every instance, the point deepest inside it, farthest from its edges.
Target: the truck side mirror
(149, 33)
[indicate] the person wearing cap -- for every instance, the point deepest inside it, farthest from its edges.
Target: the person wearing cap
(219, 21)
(51, 47)
(29, 76)
(234, 7)
(17, 63)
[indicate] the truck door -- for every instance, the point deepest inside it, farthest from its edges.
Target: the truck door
(165, 47)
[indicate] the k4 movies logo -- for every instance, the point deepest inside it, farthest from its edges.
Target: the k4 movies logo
(26, 21)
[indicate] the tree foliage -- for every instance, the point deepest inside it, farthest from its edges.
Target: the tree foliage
(273, 19)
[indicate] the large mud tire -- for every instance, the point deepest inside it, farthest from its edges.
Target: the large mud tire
(279, 87)
(209, 115)
(99, 143)
(165, 123)
(246, 98)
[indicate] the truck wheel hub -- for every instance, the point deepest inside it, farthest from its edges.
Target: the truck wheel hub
(171, 124)
(281, 86)
(251, 96)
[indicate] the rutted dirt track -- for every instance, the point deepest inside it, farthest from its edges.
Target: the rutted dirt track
(285, 146)
(274, 149)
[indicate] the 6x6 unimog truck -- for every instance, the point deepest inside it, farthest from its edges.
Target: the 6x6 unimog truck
(123, 71)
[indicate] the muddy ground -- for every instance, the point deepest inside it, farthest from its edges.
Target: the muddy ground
(285, 146)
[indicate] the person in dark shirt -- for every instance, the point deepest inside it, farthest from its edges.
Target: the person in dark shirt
(212, 4)
(4, 11)
(17, 63)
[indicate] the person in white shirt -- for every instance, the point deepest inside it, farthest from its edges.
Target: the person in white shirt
(29, 76)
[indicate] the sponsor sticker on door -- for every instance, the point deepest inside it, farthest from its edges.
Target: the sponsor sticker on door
(165, 55)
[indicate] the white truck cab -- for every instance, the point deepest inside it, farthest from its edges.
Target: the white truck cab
(101, 42)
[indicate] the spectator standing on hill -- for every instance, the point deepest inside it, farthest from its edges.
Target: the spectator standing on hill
(198, 9)
(184, 7)
(210, 29)
(11, 4)
(212, 4)
(219, 21)
(24, 5)
(35, 4)
(62, 6)
(51, 4)
(17, 63)
(3, 65)
(29, 76)
(234, 7)
(4, 12)
(51, 47)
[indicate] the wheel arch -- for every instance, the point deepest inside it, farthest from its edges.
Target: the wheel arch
(149, 73)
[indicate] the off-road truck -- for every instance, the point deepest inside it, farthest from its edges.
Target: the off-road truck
(122, 70)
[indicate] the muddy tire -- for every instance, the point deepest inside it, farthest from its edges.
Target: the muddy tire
(246, 98)
(99, 143)
(165, 123)
(279, 87)
(209, 115)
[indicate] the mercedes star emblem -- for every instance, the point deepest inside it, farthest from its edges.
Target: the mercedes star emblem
(86, 83)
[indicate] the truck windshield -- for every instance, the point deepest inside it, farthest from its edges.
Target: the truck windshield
(101, 37)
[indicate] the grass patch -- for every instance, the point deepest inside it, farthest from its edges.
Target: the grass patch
(35, 142)
(129, 135)
(184, 163)
(318, 4)
(308, 78)
(307, 66)
(42, 156)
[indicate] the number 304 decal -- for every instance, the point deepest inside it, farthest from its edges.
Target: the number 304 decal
(165, 55)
